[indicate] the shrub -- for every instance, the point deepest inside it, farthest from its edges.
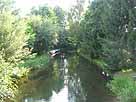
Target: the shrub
(8, 79)
(34, 61)
(124, 88)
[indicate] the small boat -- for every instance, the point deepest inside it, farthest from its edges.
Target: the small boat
(55, 52)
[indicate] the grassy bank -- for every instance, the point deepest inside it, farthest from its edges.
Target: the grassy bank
(37, 65)
(35, 62)
(124, 87)
(123, 84)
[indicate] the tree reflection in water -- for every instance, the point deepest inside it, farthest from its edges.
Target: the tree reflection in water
(72, 80)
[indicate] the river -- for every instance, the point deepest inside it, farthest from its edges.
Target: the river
(73, 80)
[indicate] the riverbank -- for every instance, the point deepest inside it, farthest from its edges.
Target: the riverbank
(31, 67)
(123, 84)
(100, 63)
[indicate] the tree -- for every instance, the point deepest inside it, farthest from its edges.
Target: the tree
(6, 5)
(74, 17)
(12, 33)
(60, 14)
(107, 29)
(93, 29)
(45, 25)
(12, 39)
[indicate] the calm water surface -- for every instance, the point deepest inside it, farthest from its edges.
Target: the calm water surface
(72, 80)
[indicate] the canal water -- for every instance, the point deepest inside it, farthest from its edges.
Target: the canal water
(73, 80)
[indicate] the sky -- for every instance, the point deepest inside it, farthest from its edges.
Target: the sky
(26, 5)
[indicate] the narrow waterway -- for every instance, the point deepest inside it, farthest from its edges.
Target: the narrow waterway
(72, 80)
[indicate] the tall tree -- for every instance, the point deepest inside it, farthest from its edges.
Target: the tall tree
(46, 27)
(108, 32)
(74, 17)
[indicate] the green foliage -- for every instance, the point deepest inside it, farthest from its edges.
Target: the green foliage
(46, 35)
(34, 61)
(93, 30)
(12, 35)
(12, 38)
(106, 30)
(31, 34)
(43, 11)
(101, 64)
(124, 88)
(47, 25)
(9, 74)
(73, 25)
(60, 16)
(6, 84)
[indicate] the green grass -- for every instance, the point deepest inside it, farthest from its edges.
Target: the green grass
(34, 61)
(124, 88)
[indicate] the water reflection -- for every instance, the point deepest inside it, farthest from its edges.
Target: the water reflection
(93, 83)
(72, 80)
(62, 96)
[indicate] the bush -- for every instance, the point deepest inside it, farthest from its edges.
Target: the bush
(8, 79)
(12, 35)
(6, 85)
(124, 88)
(34, 61)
